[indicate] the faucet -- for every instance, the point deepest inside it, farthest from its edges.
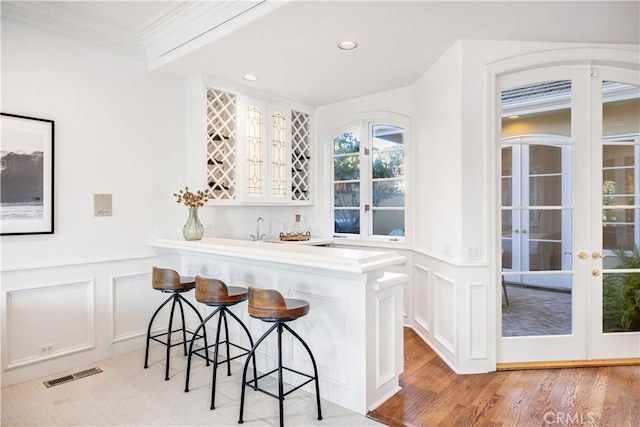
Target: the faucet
(257, 236)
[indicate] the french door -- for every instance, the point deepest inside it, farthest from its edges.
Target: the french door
(570, 163)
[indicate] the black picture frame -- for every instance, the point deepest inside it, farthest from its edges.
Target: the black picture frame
(26, 175)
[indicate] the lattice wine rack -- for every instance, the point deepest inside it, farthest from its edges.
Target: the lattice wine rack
(221, 144)
(300, 156)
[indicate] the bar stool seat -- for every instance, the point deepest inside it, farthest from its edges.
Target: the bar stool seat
(269, 305)
(170, 282)
(216, 293)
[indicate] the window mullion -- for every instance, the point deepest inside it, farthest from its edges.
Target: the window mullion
(366, 185)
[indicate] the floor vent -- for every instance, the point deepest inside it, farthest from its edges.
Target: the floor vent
(72, 377)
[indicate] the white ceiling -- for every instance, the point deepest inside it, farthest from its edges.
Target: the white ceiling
(291, 45)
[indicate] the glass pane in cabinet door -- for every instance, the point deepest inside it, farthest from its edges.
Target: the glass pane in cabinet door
(255, 139)
(278, 155)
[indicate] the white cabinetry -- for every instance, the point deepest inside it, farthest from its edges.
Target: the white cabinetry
(245, 148)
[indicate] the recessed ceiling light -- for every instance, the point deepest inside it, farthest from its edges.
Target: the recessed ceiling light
(347, 45)
(250, 77)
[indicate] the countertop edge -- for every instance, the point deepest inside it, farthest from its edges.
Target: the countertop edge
(336, 259)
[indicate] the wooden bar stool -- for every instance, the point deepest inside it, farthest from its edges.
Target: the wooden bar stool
(170, 282)
(269, 305)
(216, 293)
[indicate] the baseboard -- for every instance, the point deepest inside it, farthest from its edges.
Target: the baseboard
(567, 364)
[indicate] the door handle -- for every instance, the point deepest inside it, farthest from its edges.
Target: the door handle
(595, 272)
(583, 255)
(596, 255)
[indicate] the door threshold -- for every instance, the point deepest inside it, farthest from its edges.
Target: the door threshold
(512, 366)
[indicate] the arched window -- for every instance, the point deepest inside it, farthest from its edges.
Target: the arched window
(369, 180)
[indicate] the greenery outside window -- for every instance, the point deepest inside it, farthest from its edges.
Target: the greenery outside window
(369, 181)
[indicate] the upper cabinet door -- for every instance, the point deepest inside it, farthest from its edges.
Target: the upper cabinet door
(254, 152)
(221, 140)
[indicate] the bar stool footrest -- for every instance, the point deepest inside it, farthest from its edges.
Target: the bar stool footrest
(198, 351)
(164, 334)
(254, 380)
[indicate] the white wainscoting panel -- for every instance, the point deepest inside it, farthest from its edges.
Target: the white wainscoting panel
(385, 333)
(324, 334)
(423, 297)
(444, 308)
(478, 327)
(49, 321)
(133, 302)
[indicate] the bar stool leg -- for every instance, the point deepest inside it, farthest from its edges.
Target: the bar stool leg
(246, 365)
(315, 368)
(195, 334)
(280, 384)
(255, 371)
(226, 334)
(204, 336)
(215, 360)
(146, 353)
(184, 329)
(169, 333)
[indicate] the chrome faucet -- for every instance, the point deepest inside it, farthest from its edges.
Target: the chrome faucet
(257, 236)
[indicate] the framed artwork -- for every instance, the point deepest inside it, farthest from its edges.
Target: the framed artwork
(26, 175)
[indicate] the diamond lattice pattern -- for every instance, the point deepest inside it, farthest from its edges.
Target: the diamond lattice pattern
(221, 144)
(300, 156)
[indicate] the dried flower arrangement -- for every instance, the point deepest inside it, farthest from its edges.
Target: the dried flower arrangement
(192, 199)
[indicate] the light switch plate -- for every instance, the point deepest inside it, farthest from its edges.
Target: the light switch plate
(102, 205)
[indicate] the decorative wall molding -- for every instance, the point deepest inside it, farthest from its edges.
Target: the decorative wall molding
(423, 292)
(128, 319)
(331, 374)
(69, 310)
(478, 322)
(180, 28)
(57, 18)
(444, 312)
(385, 355)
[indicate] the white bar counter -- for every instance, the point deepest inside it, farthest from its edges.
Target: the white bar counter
(354, 327)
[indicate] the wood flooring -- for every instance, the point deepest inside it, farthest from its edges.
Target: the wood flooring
(433, 395)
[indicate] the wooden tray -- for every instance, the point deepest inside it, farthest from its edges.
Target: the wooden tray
(295, 237)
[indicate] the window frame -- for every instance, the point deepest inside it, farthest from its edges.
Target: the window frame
(365, 123)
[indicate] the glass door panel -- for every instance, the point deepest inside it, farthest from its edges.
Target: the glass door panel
(571, 214)
(537, 157)
(620, 301)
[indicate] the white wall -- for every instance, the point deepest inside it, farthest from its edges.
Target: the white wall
(118, 130)
(438, 147)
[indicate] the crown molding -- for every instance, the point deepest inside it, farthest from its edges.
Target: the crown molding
(57, 18)
(186, 29)
(179, 29)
